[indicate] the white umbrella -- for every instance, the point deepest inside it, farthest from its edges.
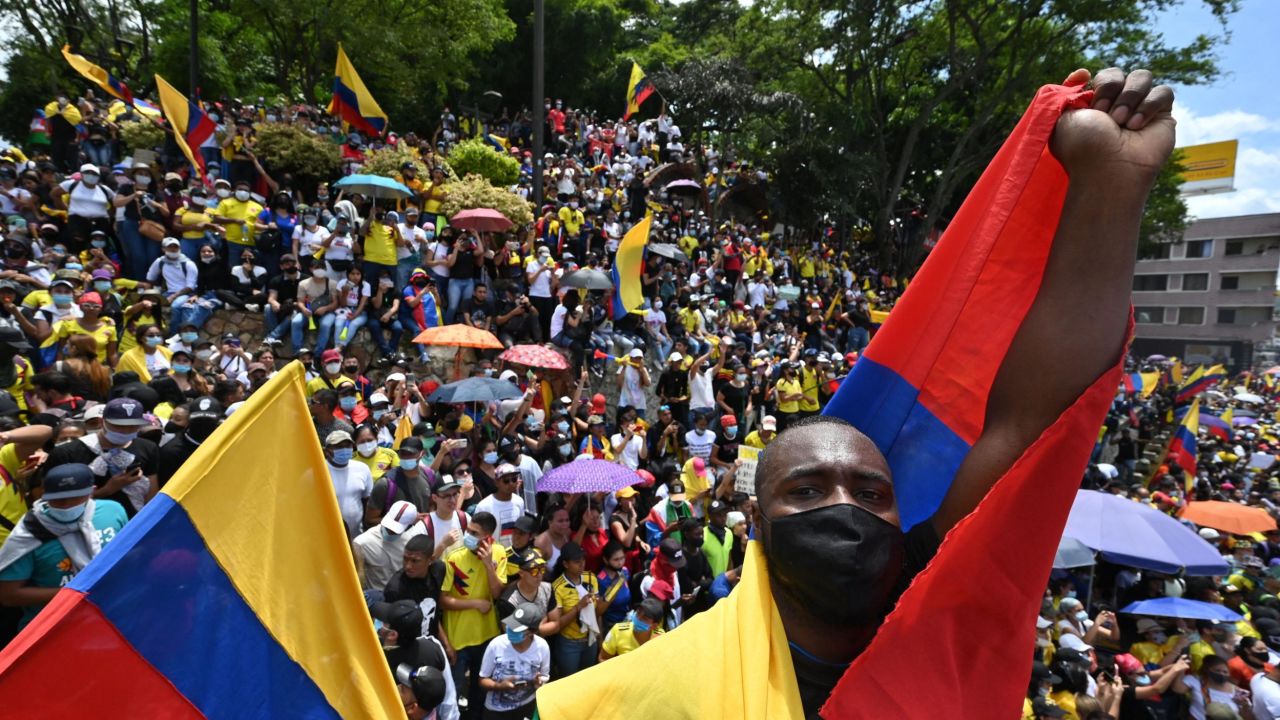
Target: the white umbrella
(1249, 398)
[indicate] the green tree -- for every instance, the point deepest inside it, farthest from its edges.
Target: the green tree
(477, 157)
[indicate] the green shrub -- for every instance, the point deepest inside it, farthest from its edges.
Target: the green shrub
(475, 192)
(477, 157)
(284, 149)
(139, 135)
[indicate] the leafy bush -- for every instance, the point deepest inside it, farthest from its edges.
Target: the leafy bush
(477, 157)
(139, 135)
(387, 161)
(286, 149)
(475, 192)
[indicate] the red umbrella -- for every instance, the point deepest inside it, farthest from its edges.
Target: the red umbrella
(480, 220)
(535, 356)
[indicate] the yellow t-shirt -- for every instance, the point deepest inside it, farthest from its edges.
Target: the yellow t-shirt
(246, 212)
(567, 596)
(466, 578)
(316, 384)
(12, 505)
(787, 387)
(754, 440)
(809, 386)
(190, 219)
(688, 244)
(127, 339)
(1199, 651)
(380, 245)
(382, 460)
(571, 219)
(105, 334)
(21, 381)
(622, 638)
(1150, 653)
(805, 264)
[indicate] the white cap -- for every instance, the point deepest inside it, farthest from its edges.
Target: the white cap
(636, 353)
(1069, 640)
(90, 168)
(675, 357)
(769, 423)
(378, 397)
(396, 377)
(508, 375)
(1207, 533)
(95, 412)
(1042, 624)
(170, 242)
(1109, 471)
(400, 516)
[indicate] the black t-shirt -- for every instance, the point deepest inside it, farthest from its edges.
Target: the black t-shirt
(402, 587)
(478, 311)
(517, 325)
(673, 384)
(286, 290)
(144, 454)
(173, 455)
(816, 678)
(736, 398)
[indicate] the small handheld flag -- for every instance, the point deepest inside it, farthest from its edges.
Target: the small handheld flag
(98, 76)
(638, 90)
(191, 126)
(1182, 449)
(352, 101)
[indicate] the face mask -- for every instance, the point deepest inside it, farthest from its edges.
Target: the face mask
(224, 193)
(61, 300)
(366, 448)
(198, 202)
(471, 542)
(89, 179)
(562, 427)
(342, 456)
(1219, 677)
(565, 449)
(1043, 642)
(639, 625)
(73, 266)
(242, 195)
(841, 562)
(700, 431)
(347, 404)
(387, 535)
(208, 259)
(491, 458)
(332, 368)
(118, 438)
(102, 286)
(66, 516)
(731, 433)
(153, 341)
(408, 463)
(59, 250)
(174, 256)
(741, 377)
(190, 337)
(143, 180)
(1069, 593)
(181, 368)
(310, 220)
(516, 637)
(204, 354)
(431, 234)
(322, 198)
(318, 273)
(98, 243)
(378, 414)
(573, 205)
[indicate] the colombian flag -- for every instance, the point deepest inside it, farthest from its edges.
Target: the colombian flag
(1142, 384)
(97, 75)
(1182, 449)
(1199, 381)
(638, 90)
(191, 126)
(232, 594)
(627, 265)
(352, 101)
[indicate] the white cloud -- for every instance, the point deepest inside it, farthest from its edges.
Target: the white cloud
(1194, 129)
(1257, 178)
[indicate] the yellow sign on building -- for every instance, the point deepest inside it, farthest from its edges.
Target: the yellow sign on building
(1210, 168)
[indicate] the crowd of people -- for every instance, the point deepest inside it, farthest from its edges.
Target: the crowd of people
(482, 588)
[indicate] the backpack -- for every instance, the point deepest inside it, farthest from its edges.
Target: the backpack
(430, 523)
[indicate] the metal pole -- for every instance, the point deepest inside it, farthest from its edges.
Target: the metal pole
(539, 115)
(194, 70)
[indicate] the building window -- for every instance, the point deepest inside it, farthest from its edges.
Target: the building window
(1230, 282)
(1190, 316)
(1150, 283)
(1162, 251)
(1200, 248)
(1195, 281)
(1226, 316)
(1235, 247)
(1148, 315)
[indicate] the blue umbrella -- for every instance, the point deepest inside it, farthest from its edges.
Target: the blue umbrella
(475, 389)
(1072, 554)
(1130, 533)
(374, 186)
(1176, 607)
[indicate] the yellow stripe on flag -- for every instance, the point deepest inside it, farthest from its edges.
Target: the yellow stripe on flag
(404, 429)
(629, 260)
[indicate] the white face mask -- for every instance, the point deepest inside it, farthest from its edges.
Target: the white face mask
(333, 368)
(204, 354)
(224, 193)
(197, 202)
(318, 273)
(242, 195)
(173, 255)
(367, 448)
(89, 179)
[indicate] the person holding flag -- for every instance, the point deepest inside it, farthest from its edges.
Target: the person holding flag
(1182, 449)
(639, 88)
(809, 627)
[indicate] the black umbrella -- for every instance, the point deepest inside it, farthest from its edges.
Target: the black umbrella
(587, 279)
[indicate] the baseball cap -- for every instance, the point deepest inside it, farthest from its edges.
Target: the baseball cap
(125, 411)
(728, 421)
(1041, 672)
(89, 168)
(447, 483)
(523, 617)
(400, 516)
(206, 407)
(1074, 642)
(672, 552)
(636, 353)
(675, 490)
(675, 357)
(506, 469)
(170, 242)
(1041, 707)
(403, 616)
(526, 524)
(769, 423)
(1146, 625)
(626, 492)
(331, 355)
(595, 420)
(1209, 534)
(1042, 623)
(14, 338)
(597, 404)
(72, 480)
(336, 437)
(700, 466)
(412, 444)
(717, 506)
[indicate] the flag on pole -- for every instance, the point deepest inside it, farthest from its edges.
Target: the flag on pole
(352, 101)
(627, 265)
(1182, 449)
(1142, 384)
(232, 594)
(98, 76)
(191, 126)
(1199, 381)
(638, 90)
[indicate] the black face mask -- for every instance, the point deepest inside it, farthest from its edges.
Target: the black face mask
(840, 562)
(1219, 677)
(1255, 658)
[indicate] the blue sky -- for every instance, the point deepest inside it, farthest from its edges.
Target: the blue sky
(1243, 104)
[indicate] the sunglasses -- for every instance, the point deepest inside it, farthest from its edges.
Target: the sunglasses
(536, 571)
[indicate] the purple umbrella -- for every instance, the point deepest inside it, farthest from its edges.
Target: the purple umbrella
(1130, 533)
(589, 475)
(1238, 421)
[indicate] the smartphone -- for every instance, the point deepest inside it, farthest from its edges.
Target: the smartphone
(463, 442)
(411, 378)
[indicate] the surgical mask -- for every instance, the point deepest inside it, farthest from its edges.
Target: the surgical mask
(639, 625)
(143, 180)
(387, 535)
(118, 438)
(208, 259)
(342, 456)
(174, 256)
(741, 377)
(1219, 677)
(190, 337)
(700, 431)
(1069, 593)
(198, 202)
(181, 368)
(153, 340)
(61, 300)
(89, 179)
(431, 234)
(731, 432)
(102, 286)
(367, 448)
(378, 414)
(516, 637)
(204, 354)
(322, 198)
(470, 542)
(66, 516)
(408, 463)
(347, 404)
(491, 458)
(333, 368)
(309, 220)
(73, 266)
(841, 562)
(562, 427)
(565, 448)
(1159, 638)
(224, 193)
(318, 273)
(98, 243)
(242, 195)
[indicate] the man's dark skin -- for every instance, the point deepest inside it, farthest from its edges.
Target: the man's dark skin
(1072, 334)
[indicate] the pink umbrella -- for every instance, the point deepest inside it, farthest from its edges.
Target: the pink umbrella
(535, 356)
(480, 220)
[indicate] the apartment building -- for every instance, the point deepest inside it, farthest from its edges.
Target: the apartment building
(1211, 298)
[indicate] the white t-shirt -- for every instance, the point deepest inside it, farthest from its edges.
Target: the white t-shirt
(352, 485)
(439, 251)
(700, 390)
(89, 202)
(632, 394)
(7, 205)
(507, 512)
(557, 320)
(1266, 697)
(1196, 696)
(440, 529)
(415, 235)
(657, 321)
(541, 286)
(309, 241)
(349, 295)
(502, 662)
(341, 248)
(631, 452)
(700, 446)
(756, 293)
(383, 558)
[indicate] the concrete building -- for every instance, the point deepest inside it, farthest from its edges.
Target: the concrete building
(1212, 297)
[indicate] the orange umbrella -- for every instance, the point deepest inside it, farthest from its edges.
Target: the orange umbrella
(459, 336)
(1229, 517)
